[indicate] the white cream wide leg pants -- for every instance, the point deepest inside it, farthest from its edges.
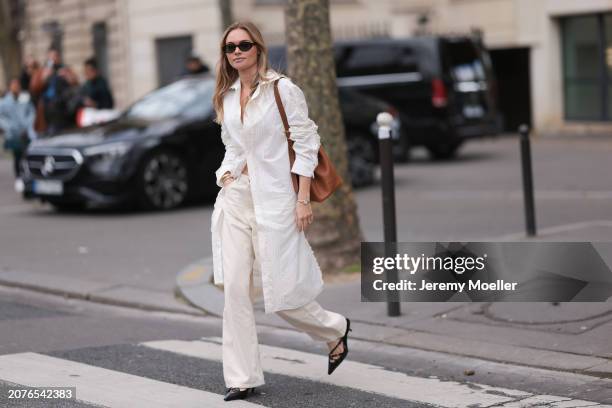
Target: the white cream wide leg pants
(241, 360)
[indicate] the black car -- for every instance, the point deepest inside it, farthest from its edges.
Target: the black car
(442, 86)
(359, 113)
(161, 152)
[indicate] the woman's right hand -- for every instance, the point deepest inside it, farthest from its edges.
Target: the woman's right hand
(228, 181)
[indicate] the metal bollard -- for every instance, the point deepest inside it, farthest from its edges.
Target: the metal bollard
(530, 222)
(384, 120)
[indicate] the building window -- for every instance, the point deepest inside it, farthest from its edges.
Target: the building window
(172, 52)
(100, 47)
(587, 66)
(56, 34)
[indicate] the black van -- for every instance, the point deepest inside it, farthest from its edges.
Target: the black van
(442, 86)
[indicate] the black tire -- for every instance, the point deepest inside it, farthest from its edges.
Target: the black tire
(361, 160)
(162, 181)
(444, 151)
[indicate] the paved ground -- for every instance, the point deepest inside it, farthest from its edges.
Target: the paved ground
(134, 259)
(125, 357)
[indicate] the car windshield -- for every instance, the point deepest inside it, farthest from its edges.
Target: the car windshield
(187, 97)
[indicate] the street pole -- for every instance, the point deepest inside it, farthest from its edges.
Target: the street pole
(530, 222)
(384, 120)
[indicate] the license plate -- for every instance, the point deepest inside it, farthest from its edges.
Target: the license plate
(473, 111)
(51, 187)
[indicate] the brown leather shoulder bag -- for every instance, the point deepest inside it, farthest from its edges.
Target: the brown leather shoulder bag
(326, 180)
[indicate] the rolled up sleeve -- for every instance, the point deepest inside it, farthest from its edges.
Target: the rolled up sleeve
(306, 139)
(231, 160)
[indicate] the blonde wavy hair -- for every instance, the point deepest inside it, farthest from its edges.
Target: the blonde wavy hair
(227, 75)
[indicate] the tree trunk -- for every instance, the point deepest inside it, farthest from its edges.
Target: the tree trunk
(10, 52)
(335, 234)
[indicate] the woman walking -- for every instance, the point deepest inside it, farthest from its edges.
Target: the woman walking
(258, 221)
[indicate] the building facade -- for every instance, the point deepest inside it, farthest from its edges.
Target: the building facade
(139, 44)
(80, 29)
(552, 58)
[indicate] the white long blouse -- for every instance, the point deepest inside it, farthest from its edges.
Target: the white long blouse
(290, 274)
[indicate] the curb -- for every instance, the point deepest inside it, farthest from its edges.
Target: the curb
(194, 285)
(195, 288)
(97, 298)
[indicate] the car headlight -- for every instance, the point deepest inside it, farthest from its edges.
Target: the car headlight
(103, 157)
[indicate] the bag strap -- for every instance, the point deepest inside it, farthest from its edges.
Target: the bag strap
(281, 108)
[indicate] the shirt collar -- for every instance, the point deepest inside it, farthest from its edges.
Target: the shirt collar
(271, 76)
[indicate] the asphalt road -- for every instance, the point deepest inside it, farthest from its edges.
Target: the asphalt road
(476, 197)
(127, 346)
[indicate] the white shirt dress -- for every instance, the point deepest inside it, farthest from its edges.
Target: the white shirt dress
(290, 274)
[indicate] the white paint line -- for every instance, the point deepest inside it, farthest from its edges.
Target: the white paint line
(552, 401)
(102, 386)
(512, 194)
(560, 228)
(576, 404)
(360, 376)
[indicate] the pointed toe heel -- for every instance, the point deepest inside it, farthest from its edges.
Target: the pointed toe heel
(235, 393)
(332, 363)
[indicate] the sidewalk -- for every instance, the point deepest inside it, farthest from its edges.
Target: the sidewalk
(572, 337)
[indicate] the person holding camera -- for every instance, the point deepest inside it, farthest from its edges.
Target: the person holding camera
(55, 88)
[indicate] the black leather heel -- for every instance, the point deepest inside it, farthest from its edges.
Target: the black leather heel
(236, 393)
(332, 364)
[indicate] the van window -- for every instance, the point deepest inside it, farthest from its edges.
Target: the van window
(463, 62)
(376, 60)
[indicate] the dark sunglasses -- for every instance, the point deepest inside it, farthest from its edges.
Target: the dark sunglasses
(243, 45)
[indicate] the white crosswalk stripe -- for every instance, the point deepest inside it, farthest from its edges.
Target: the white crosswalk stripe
(104, 387)
(367, 377)
(109, 388)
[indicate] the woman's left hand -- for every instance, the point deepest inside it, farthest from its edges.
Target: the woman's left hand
(303, 216)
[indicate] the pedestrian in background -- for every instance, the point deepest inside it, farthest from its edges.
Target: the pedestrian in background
(258, 220)
(30, 65)
(95, 91)
(195, 66)
(17, 122)
(55, 87)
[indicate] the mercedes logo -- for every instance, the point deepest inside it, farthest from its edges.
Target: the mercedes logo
(48, 166)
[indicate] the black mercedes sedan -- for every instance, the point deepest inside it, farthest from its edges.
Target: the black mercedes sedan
(162, 152)
(159, 153)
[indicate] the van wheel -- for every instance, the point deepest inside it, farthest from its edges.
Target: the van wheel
(162, 181)
(361, 160)
(444, 151)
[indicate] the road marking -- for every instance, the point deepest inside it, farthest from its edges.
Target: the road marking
(551, 401)
(104, 387)
(356, 375)
(559, 229)
(512, 194)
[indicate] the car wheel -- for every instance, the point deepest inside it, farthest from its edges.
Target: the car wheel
(162, 181)
(361, 160)
(443, 151)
